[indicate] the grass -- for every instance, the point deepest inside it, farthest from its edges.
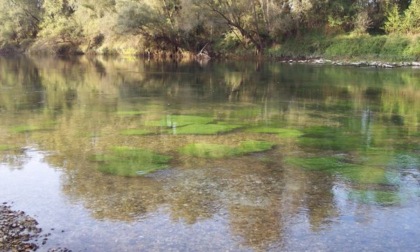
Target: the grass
(351, 46)
(356, 46)
(205, 150)
(130, 162)
(309, 45)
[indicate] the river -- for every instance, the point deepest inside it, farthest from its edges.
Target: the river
(122, 154)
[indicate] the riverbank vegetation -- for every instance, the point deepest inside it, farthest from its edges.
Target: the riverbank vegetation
(384, 29)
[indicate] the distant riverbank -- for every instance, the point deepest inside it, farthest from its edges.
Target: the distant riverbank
(356, 50)
(352, 48)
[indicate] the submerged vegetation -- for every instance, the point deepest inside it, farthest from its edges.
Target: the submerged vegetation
(357, 128)
(129, 162)
(205, 150)
(280, 132)
(178, 28)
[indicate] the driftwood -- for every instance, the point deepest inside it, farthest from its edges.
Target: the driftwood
(203, 55)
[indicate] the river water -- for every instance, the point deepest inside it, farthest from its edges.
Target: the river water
(129, 155)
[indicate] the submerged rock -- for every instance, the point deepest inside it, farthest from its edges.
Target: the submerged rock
(17, 230)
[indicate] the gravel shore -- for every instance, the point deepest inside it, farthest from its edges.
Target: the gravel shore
(20, 232)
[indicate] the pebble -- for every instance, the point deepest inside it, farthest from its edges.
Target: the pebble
(20, 232)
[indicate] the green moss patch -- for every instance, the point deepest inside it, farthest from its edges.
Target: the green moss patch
(31, 128)
(353, 172)
(206, 129)
(208, 150)
(130, 113)
(5, 147)
(130, 162)
(366, 175)
(281, 132)
(329, 138)
(137, 132)
(205, 150)
(375, 197)
(331, 164)
(179, 121)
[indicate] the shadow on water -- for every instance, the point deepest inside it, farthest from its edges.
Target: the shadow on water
(227, 156)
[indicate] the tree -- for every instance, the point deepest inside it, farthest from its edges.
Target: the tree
(404, 22)
(157, 21)
(58, 22)
(245, 16)
(98, 19)
(19, 20)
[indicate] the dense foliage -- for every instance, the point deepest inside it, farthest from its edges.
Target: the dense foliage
(177, 26)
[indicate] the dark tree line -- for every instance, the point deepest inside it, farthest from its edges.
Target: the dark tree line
(173, 25)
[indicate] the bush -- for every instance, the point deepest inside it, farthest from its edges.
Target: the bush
(366, 46)
(413, 49)
(394, 47)
(308, 45)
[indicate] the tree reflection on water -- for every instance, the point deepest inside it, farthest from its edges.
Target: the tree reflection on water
(345, 139)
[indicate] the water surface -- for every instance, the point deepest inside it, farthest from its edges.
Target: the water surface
(127, 155)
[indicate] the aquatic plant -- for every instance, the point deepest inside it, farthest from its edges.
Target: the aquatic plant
(30, 128)
(330, 164)
(280, 132)
(129, 162)
(179, 121)
(357, 173)
(330, 138)
(137, 132)
(5, 147)
(130, 113)
(206, 150)
(375, 197)
(206, 129)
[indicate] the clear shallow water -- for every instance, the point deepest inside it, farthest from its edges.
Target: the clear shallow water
(341, 171)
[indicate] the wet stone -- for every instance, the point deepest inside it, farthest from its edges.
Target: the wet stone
(16, 230)
(19, 232)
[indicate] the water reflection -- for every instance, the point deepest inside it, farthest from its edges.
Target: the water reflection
(346, 155)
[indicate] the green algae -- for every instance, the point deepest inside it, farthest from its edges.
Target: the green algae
(357, 173)
(330, 164)
(130, 162)
(250, 146)
(31, 128)
(130, 113)
(206, 129)
(205, 150)
(48, 125)
(192, 125)
(5, 148)
(280, 132)
(366, 175)
(179, 121)
(137, 132)
(330, 138)
(378, 197)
